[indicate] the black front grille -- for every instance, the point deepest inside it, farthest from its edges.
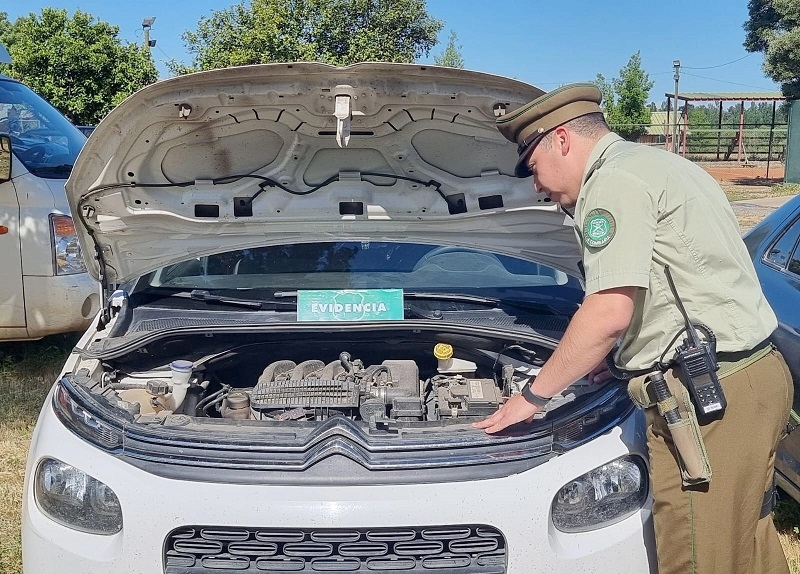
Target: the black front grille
(460, 549)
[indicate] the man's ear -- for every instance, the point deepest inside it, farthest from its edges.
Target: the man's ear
(561, 138)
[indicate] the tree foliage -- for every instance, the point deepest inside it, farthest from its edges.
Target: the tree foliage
(452, 54)
(337, 32)
(79, 64)
(773, 28)
(625, 99)
(756, 114)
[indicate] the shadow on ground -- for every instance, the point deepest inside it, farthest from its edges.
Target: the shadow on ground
(757, 181)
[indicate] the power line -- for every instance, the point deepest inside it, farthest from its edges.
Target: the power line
(160, 49)
(719, 65)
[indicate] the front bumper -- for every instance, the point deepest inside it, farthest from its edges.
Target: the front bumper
(153, 507)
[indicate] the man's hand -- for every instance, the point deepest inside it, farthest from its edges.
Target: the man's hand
(515, 410)
(591, 334)
(600, 374)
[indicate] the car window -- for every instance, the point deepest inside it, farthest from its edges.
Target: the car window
(367, 265)
(780, 251)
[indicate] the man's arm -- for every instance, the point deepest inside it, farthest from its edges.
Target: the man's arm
(593, 331)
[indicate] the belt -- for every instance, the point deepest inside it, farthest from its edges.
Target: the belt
(733, 362)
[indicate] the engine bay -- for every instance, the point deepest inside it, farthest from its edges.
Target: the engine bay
(383, 384)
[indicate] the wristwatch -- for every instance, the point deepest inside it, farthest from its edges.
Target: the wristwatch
(533, 398)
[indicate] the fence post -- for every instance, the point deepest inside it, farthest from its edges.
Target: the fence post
(719, 129)
(771, 131)
(792, 154)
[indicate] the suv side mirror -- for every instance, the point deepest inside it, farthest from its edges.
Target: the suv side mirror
(5, 158)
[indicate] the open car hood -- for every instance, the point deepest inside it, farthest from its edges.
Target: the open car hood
(288, 153)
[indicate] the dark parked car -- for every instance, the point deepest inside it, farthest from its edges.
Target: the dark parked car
(86, 130)
(774, 246)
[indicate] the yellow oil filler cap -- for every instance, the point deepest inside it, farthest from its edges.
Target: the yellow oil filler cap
(443, 351)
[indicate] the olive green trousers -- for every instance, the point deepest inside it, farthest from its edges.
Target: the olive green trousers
(715, 528)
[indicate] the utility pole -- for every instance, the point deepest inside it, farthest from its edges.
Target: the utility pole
(147, 23)
(677, 65)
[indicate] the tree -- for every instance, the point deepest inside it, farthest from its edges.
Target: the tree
(337, 32)
(774, 29)
(625, 99)
(79, 64)
(452, 54)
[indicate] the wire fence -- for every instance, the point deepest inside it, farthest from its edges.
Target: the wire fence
(757, 142)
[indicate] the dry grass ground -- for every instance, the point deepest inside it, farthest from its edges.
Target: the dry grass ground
(27, 371)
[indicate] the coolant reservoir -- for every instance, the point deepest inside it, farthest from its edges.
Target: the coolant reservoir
(449, 365)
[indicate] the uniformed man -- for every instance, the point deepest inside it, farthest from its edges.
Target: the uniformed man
(637, 210)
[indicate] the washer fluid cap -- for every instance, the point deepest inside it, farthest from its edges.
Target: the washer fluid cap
(443, 351)
(182, 366)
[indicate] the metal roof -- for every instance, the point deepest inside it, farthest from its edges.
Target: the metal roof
(729, 96)
(658, 123)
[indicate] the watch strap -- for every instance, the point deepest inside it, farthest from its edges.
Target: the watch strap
(533, 398)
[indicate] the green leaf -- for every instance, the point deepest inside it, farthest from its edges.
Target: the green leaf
(79, 64)
(625, 99)
(773, 28)
(339, 32)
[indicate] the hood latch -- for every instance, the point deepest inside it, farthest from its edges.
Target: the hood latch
(345, 95)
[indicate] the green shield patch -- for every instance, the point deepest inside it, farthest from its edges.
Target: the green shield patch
(598, 228)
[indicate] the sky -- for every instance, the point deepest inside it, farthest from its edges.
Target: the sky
(547, 44)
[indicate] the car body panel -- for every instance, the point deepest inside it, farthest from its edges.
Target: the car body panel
(517, 505)
(174, 171)
(781, 285)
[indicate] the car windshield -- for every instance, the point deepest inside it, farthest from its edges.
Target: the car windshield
(43, 140)
(263, 272)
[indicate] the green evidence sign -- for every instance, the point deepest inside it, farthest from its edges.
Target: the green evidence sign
(350, 305)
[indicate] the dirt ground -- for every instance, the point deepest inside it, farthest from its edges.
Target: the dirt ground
(751, 174)
(741, 182)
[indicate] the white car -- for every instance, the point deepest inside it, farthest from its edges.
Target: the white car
(44, 285)
(316, 279)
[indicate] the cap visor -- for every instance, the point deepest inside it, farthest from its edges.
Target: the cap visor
(522, 170)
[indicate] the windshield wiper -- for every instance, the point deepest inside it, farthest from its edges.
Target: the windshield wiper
(203, 295)
(541, 308)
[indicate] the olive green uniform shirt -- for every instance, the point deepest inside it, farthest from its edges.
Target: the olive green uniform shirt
(641, 209)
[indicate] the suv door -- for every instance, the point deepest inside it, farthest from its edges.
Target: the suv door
(12, 300)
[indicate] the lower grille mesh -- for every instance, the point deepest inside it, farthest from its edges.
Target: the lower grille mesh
(461, 549)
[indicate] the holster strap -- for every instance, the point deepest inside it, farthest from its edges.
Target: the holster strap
(686, 436)
(667, 405)
(770, 498)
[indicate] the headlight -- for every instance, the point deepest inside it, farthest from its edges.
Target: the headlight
(74, 499)
(67, 254)
(602, 496)
(82, 422)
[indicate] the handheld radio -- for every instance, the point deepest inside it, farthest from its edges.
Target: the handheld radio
(697, 361)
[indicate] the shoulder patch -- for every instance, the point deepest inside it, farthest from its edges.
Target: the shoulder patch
(598, 228)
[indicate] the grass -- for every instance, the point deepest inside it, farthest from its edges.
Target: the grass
(787, 521)
(28, 369)
(739, 192)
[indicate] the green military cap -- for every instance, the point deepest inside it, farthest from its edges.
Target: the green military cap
(529, 123)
